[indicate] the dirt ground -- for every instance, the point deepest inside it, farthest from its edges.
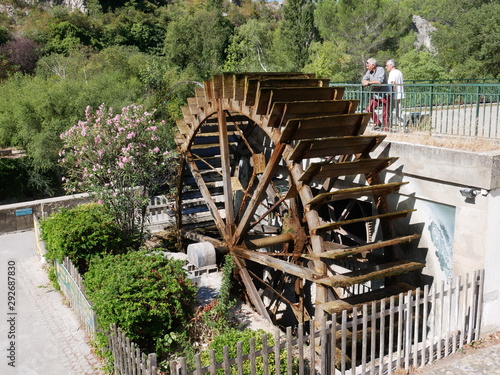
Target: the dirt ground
(459, 143)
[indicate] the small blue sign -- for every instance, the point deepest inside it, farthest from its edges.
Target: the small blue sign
(24, 211)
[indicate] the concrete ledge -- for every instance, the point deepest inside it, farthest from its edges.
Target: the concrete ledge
(19, 216)
(465, 168)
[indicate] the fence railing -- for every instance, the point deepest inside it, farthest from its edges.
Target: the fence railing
(470, 110)
(410, 329)
(71, 283)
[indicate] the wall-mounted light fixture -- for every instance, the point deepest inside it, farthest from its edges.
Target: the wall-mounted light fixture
(469, 192)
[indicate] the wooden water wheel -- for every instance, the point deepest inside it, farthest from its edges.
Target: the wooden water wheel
(276, 171)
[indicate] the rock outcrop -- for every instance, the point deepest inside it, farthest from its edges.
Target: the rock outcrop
(424, 34)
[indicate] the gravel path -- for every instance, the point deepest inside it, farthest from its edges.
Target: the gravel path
(48, 339)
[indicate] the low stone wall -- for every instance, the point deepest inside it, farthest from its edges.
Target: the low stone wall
(19, 216)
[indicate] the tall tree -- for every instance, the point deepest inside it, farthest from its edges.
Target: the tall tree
(367, 26)
(474, 51)
(196, 42)
(296, 33)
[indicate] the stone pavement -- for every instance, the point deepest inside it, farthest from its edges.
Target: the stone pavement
(483, 361)
(42, 330)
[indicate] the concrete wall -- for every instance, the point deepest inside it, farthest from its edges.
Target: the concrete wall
(459, 234)
(17, 217)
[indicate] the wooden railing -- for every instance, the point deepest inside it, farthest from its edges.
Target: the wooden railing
(411, 329)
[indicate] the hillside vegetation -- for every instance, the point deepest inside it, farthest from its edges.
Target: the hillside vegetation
(56, 61)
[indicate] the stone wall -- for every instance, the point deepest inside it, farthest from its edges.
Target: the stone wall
(19, 216)
(459, 233)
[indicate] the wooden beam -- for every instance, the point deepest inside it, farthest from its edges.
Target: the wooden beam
(219, 222)
(348, 251)
(252, 292)
(338, 224)
(226, 169)
(333, 146)
(357, 192)
(278, 264)
(258, 243)
(329, 170)
(259, 191)
(370, 273)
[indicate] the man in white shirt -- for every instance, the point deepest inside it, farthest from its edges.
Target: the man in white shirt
(398, 93)
(375, 79)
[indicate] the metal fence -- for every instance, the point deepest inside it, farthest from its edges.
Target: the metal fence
(470, 110)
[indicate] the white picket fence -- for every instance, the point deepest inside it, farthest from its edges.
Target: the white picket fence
(408, 330)
(160, 213)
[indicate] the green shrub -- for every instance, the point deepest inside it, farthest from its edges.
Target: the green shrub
(81, 233)
(147, 295)
(231, 338)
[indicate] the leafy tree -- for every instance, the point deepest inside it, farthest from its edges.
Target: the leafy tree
(37, 109)
(147, 295)
(21, 181)
(81, 233)
(421, 65)
(196, 42)
(367, 26)
(121, 159)
(131, 27)
(250, 48)
(474, 52)
(329, 60)
(296, 33)
(4, 34)
(21, 52)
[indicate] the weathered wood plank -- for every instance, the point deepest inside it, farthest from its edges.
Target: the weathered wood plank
(219, 222)
(287, 267)
(356, 192)
(325, 126)
(338, 224)
(252, 292)
(331, 170)
(281, 112)
(370, 273)
(348, 251)
(267, 96)
(337, 306)
(252, 82)
(333, 146)
(260, 190)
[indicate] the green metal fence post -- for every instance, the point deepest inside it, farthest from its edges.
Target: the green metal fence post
(478, 102)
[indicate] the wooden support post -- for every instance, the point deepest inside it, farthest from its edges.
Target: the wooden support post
(226, 170)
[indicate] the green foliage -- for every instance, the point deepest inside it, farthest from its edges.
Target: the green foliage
(231, 338)
(81, 233)
(250, 48)
(421, 66)
(328, 60)
(218, 319)
(474, 52)
(196, 42)
(22, 181)
(147, 295)
(367, 26)
(298, 31)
